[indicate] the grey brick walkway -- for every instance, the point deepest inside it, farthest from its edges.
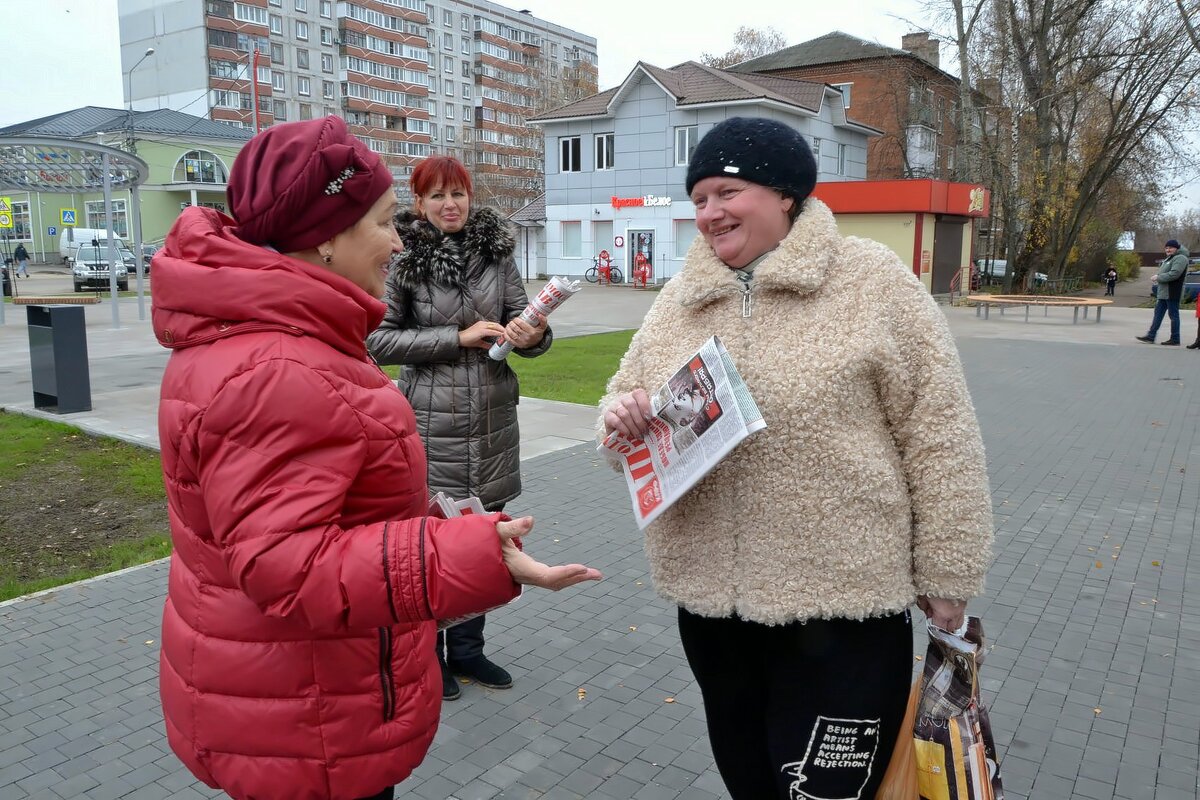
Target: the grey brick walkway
(1093, 451)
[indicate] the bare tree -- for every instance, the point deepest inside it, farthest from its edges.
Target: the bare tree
(1107, 83)
(748, 43)
(1191, 20)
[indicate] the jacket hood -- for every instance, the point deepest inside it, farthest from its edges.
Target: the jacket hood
(209, 284)
(432, 257)
(801, 263)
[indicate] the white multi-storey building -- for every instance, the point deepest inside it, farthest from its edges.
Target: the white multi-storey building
(411, 77)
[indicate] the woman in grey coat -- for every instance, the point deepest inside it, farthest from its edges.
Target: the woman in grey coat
(453, 290)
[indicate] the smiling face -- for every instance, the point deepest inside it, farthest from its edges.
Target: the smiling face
(363, 252)
(446, 209)
(740, 220)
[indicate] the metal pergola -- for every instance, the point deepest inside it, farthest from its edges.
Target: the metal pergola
(54, 165)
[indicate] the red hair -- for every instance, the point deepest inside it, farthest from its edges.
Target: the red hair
(436, 171)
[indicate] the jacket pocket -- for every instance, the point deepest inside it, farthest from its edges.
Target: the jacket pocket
(386, 680)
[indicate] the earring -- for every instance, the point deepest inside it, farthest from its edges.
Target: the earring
(327, 258)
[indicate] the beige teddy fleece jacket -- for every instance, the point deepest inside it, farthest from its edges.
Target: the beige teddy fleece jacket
(868, 486)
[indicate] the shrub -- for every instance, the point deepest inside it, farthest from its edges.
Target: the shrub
(1128, 264)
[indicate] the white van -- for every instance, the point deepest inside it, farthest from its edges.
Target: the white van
(73, 238)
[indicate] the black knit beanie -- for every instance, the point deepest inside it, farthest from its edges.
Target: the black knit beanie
(761, 151)
(1170, 242)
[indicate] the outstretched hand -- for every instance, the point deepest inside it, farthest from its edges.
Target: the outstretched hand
(527, 570)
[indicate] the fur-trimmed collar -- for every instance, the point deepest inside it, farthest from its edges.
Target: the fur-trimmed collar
(801, 263)
(431, 257)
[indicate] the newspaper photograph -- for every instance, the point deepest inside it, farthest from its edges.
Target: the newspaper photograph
(700, 414)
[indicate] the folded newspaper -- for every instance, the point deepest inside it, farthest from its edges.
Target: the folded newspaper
(700, 415)
(443, 506)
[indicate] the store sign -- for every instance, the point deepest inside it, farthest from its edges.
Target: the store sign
(637, 202)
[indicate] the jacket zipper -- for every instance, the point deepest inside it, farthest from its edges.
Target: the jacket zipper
(250, 328)
(386, 680)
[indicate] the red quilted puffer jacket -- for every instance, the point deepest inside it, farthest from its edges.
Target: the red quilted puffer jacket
(297, 645)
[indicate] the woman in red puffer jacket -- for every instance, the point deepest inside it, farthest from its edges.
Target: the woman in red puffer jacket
(297, 646)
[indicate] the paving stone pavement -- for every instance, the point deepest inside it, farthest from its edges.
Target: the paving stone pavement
(1093, 605)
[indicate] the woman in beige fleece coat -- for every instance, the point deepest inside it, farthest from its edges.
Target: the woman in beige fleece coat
(794, 562)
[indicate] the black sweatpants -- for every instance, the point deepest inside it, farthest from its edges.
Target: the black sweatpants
(805, 711)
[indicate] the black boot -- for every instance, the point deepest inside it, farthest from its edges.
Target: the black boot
(1196, 344)
(450, 690)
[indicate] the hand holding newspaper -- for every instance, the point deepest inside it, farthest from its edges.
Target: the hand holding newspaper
(700, 414)
(553, 294)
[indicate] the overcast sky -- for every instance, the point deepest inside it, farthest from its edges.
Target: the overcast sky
(83, 65)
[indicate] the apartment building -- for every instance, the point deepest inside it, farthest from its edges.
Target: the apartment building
(410, 77)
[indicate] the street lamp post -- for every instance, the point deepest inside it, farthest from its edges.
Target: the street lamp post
(129, 144)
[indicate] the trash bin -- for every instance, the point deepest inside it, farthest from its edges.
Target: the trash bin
(58, 358)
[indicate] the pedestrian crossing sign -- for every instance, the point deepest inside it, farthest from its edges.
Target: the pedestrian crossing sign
(6, 205)
(6, 217)
(68, 217)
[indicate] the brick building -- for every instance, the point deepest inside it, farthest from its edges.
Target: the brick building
(903, 93)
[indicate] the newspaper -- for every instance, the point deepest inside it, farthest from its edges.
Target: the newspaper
(556, 292)
(443, 506)
(700, 414)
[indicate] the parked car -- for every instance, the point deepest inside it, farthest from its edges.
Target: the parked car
(89, 269)
(148, 251)
(994, 270)
(1191, 286)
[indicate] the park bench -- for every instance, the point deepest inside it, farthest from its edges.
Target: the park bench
(984, 302)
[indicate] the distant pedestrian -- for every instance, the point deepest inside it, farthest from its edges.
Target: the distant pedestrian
(1110, 282)
(1170, 280)
(22, 257)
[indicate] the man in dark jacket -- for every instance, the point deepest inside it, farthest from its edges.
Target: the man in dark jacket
(1170, 290)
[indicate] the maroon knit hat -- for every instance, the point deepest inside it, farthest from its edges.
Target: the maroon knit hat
(298, 184)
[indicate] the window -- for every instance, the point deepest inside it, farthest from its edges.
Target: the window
(22, 229)
(447, 41)
(448, 86)
(572, 239)
(278, 82)
(222, 98)
(841, 170)
(277, 55)
(326, 62)
(568, 155)
(302, 30)
(327, 90)
(606, 151)
(277, 25)
(303, 86)
(279, 109)
(685, 234)
(302, 5)
(686, 139)
(466, 46)
(466, 69)
(433, 132)
(468, 113)
(448, 64)
(449, 134)
(466, 92)
(245, 13)
(305, 111)
(845, 87)
(95, 216)
(817, 152)
(301, 58)
(466, 22)
(326, 35)
(199, 166)
(449, 111)
(327, 9)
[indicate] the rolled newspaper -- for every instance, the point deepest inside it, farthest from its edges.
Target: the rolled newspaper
(553, 294)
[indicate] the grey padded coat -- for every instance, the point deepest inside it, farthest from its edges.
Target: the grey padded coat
(466, 403)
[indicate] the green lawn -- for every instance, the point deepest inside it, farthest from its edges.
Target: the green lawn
(73, 505)
(575, 370)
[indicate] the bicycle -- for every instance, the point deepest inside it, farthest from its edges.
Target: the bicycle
(593, 273)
